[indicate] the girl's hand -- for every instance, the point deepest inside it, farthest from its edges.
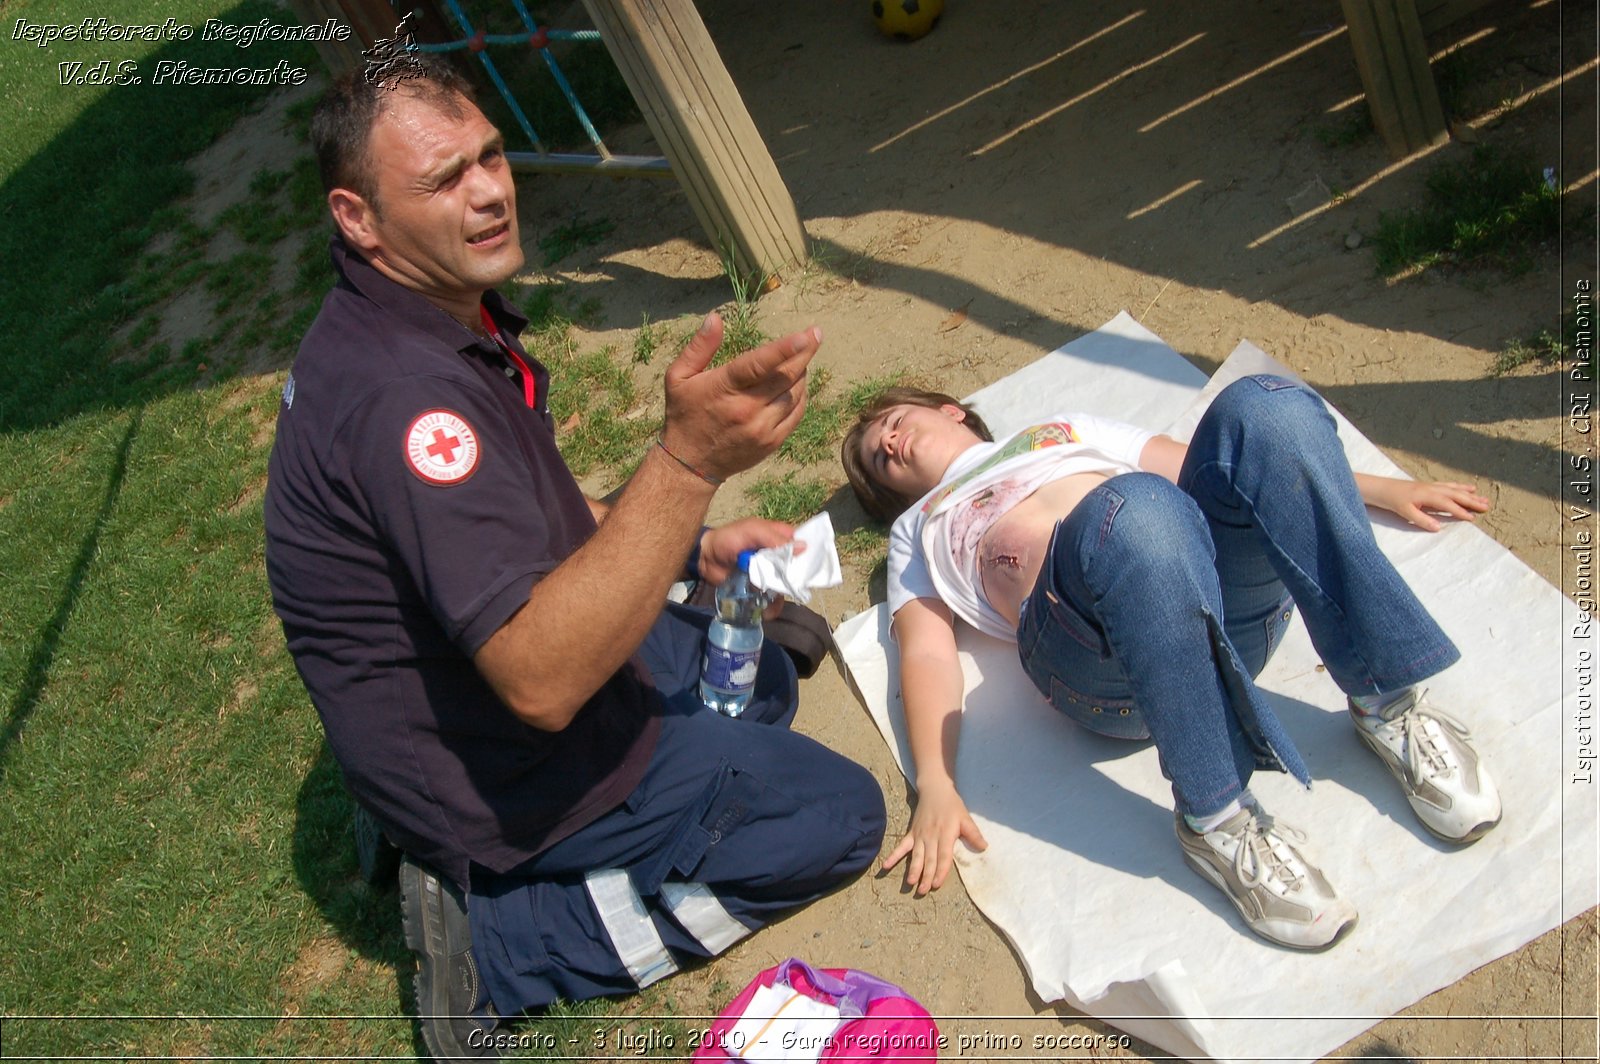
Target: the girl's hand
(1418, 501)
(940, 819)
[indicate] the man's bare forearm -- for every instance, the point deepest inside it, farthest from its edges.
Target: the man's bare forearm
(584, 619)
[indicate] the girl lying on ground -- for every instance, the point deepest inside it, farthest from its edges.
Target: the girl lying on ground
(1146, 583)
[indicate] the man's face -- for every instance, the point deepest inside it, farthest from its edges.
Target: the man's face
(448, 221)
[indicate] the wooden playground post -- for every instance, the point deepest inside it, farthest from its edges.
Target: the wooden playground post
(701, 123)
(1392, 58)
(1389, 38)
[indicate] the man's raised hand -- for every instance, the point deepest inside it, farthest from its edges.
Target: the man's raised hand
(722, 421)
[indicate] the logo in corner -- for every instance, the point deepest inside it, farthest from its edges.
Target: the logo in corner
(392, 60)
(441, 448)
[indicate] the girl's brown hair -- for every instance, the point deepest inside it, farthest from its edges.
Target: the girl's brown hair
(879, 500)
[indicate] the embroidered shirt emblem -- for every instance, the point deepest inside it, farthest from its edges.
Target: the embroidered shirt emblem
(441, 448)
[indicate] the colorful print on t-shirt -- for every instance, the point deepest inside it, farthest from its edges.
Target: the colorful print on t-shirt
(1035, 438)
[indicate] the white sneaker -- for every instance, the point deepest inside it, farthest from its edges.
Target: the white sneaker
(1431, 754)
(1257, 862)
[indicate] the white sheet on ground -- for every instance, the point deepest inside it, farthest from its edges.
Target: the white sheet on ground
(1083, 874)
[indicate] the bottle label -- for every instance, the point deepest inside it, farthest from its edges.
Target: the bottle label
(729, 670)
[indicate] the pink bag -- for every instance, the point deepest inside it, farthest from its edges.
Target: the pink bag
(878, 1020)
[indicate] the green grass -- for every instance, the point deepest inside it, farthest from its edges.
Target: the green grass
(177, 839)
(1545, 347)
(820, 426)
(1457, 77)
(602, 422)
(741, 330)
(237, 279)
(789, 496)
(740, 321)
(573, 237)
(647, 340)
(176, 844)
(793, 496)
(830, 263)
(1352, 129)
(823, 425)
(868, 545)
(261, 222)
(1493, 210)
(596, 407)
(84, 175)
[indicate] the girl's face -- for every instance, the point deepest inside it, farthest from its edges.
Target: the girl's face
(909, 447)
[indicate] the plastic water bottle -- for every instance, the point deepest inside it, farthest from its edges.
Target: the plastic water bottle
(733, 643)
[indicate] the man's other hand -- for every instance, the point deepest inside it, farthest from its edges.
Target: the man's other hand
(722, 421)
(720, 547)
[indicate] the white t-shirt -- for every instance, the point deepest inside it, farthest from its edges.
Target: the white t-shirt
(933, 545)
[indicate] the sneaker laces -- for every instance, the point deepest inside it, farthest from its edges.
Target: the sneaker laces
(1272, 859)
(1427, 753)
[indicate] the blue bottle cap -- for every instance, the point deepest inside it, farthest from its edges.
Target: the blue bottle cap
(744, 559)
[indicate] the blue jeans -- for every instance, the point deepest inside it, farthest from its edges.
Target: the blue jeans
(1160, 603)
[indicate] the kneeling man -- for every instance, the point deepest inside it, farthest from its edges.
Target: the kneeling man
(487, 648)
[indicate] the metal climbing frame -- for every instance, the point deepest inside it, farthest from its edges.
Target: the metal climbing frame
(541, 159)
(663, 52)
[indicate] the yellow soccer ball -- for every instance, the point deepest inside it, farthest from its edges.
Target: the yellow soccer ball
(906, 20)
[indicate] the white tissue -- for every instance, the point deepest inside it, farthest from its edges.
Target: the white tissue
(782, 571)
(781, 1025)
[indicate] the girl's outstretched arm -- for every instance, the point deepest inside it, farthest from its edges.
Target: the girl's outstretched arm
(1419, 500)
(932, 686)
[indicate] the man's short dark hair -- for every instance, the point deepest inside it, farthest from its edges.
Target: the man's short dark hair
(342, 124)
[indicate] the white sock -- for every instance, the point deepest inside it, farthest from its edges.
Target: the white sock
(1372, 705)
(1202, 824)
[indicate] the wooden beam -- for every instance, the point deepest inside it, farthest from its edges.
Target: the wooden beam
(701, 123)
(1392, 58)
(1437, 14)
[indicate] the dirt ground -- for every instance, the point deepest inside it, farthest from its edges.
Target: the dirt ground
(1038, 167)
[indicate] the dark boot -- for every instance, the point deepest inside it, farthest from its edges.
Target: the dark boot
(453, 1005)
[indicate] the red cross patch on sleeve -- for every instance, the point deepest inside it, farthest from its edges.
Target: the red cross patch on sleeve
(441, 448)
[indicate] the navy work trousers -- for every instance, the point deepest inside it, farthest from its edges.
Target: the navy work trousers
(735, 822)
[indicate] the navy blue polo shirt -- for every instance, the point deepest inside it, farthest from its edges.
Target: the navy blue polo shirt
(414, 498)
